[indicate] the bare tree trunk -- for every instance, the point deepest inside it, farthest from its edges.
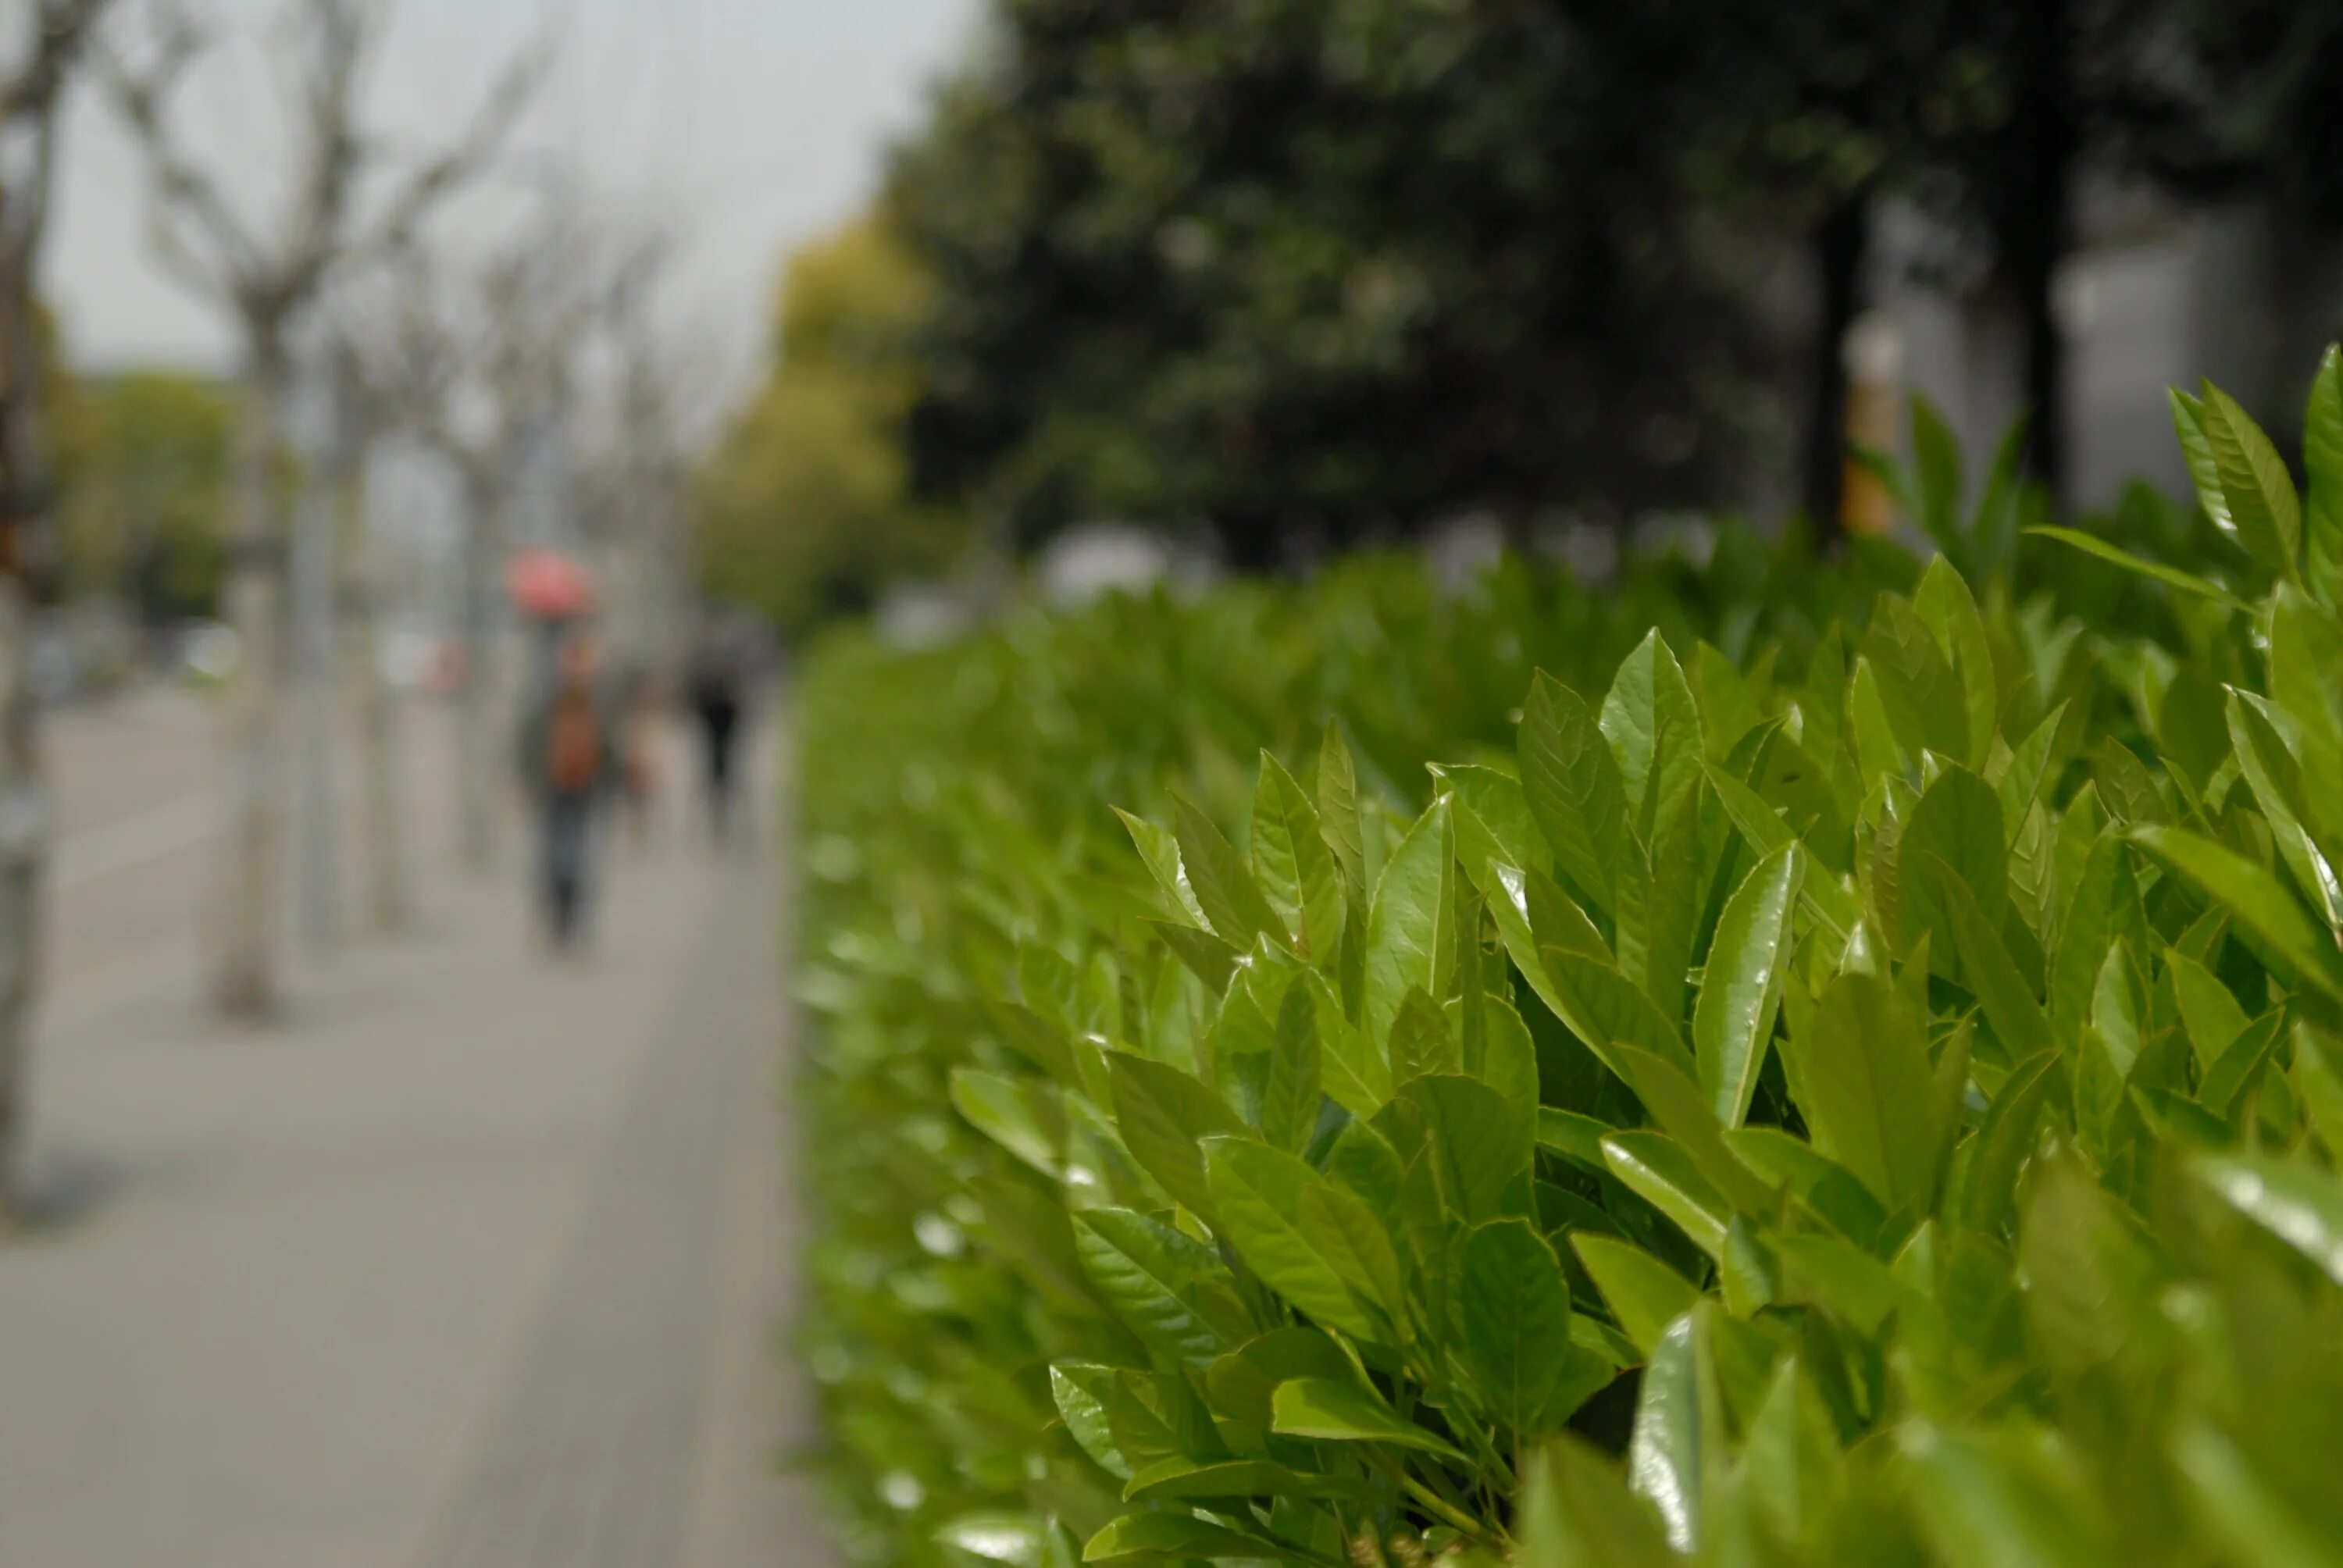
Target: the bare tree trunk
(316, 714)
(382, 847)
(249, 888)
(1839, 242)
(478, 773)
(24, 794)
(2041, 231)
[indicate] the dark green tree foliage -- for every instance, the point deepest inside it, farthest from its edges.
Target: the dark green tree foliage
(1822, 110)
(1327, 269)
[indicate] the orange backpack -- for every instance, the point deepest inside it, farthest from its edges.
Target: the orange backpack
(573, 743)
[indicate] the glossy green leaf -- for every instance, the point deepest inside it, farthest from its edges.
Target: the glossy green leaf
(1653, 724)
(1865, 1087)
(1821, 1185)
(1484, 1142)
(2021, 782)
(2208, 1012)
(1644, 1294)
(1659, 909)
(1658, 1170)
(1147, 1272)
(1295, 868)
(1257, 1193)
(1576, 1514)
(1510, 905)
(2273, 772)
(1839, 1275)
(1241, 1383)
(1345, 1412)
(2318, 1079)
(1161, 1113)
(2196, 451)
(1356, 1241)
(1605, 1009)
(1077, 1388)
(1289, 1106)
(1664, 1458)
(1508, 1062)
(2171, 576)
(1944, 604)
(1182, 1477)
(1207, 957)
(2242, 1064)
(1513, 1310)
(2255, 897)
(1571, 782)
(1982, 1509)
(1925, 706)
(2005, 1141)
(1352, 1069)
(1987, 969)
(1225, 889)
(1338, 809)
(1421, 1040)
(1764, 831)
(1411, 942)
(1681, 1108)
(1955, 830)
(1014, 1539)
(1013, 1113)
(1495, 803)
(2265, 514)
(1792, 1470)
(2322, 459)
(1173, 1539)
(2299, 1205)
(1161, 851)
(1733, 1017)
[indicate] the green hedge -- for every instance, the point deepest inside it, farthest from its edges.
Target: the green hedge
(1831, 1063)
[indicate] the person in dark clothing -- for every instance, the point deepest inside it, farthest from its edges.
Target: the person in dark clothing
(716, 702)
(568, 758)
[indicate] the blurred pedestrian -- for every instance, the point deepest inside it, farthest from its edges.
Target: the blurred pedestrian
(717, 679)
(568, 758)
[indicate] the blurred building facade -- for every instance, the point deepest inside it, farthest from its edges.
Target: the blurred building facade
(2154, 296)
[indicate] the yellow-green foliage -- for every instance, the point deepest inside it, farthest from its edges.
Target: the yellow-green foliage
(143, 461)
(805, 510)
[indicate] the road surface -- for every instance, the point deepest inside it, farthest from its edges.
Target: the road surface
(475, 1257)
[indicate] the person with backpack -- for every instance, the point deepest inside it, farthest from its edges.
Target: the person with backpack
(568, 759)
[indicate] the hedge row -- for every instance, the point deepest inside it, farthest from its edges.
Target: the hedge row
(1768, 1062)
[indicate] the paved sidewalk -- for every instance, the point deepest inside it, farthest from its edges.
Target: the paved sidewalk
(479, 1258)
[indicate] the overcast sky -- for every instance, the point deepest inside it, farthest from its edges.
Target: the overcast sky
(750, 124)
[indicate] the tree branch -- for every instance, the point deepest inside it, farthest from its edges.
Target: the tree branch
(491, 122)
(180, 194)
(62, 28)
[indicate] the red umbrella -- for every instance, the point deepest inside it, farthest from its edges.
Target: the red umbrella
(549, 584)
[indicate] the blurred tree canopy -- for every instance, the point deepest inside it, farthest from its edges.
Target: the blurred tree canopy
(1304, 273)
(1327, 268)
(805, 509)
(142, 463)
